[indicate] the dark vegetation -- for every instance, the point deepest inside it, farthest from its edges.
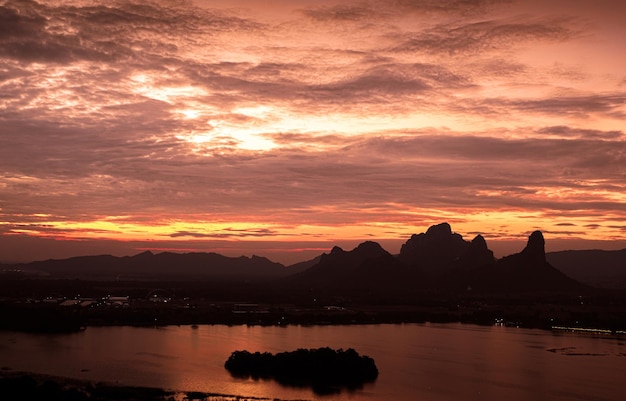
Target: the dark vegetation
(39, 319)
(607, 311)
(19, 386)
(324, 369)
(26, 387)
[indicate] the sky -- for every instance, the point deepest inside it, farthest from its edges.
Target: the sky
(281, 128)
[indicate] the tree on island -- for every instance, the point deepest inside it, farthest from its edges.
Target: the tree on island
(324, 369)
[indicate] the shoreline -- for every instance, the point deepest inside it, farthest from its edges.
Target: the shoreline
(555, 329)
(26, 384)
(47, 320)
(70, 305)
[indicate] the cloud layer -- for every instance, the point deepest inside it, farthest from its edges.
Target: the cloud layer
(314, 121)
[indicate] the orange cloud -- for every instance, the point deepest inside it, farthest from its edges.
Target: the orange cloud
(310, 121)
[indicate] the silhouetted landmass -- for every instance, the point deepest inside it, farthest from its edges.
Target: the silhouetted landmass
(324, 369)
(437, 248)
(27, 387)
(20, 386)
(524, 272)
(165, 265)
(368, 266)
(603, 269)
(40, 319)
(216, 303)
(477, 254)
(302, 266)
(437, 259)
(364, 285)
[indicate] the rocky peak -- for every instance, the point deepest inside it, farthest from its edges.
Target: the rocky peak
(478, 253)
(365, 250)
(339, 262)
(535, 248)
(144, 255)
(370, 248)
(336, 250)
(334, 253)
(439, 231)
(478, 243)
(437, 246)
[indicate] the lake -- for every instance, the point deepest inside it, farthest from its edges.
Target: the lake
(427, 362)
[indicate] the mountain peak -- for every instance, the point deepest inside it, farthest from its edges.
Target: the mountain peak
(337, 250)
(535, 248)
(530, 271)
(144, 254)
(366, 266)
(441, 230)
(369, 246)
(478, 253)
(479, 242)
(438, 246)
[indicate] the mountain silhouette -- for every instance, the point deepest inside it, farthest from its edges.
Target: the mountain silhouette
(526, 271)
(442, 254)
(367, 272)
(437, 248)
(599, 268)
(165, 265)
(339, 265)
(477, 255)
(438, 259)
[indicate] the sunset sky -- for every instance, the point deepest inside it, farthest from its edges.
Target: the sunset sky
(282, 128)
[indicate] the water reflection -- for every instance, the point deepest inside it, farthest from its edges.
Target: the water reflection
(431, 362)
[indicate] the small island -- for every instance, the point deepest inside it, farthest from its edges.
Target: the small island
(324, 369)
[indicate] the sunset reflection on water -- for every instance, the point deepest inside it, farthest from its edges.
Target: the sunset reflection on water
(436, 362)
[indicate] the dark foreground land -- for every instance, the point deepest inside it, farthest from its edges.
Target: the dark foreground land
(20, 386)
(68, 305)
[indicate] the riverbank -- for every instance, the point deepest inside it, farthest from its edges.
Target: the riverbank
(55, 318)
(27, 386)
(71, 305)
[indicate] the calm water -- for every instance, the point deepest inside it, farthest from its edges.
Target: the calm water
(416, 362)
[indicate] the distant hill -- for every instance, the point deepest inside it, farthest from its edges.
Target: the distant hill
(302, 266)
(367, 272)
(166, 265)
(339, 267)
(603, 269)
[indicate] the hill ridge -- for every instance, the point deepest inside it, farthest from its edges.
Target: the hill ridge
(438, 257)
